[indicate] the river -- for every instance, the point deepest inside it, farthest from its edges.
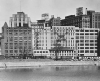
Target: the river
(55, 73)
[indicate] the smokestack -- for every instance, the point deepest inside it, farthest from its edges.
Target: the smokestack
(86, 11)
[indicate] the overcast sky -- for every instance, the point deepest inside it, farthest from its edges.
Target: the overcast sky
(34, 8)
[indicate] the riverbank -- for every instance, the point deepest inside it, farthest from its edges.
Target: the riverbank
(5, 64)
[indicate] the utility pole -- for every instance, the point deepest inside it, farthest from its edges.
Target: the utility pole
(20, 5)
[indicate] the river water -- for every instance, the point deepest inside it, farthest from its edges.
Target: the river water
(55, 73)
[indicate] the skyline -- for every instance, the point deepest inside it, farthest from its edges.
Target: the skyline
(34, 8)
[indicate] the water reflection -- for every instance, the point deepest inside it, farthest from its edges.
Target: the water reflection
(61, 73)
(98, 67)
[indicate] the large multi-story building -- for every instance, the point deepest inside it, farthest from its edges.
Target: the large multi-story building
(74, 41)
(47, 39)
(94, 18)
(41, 40)
(17, 39)
(63, 41)
(86, 38)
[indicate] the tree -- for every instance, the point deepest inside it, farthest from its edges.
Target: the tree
(57, 43)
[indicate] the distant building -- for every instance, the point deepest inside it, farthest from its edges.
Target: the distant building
(0, 42)
(17, 39)
(94, 19)
(81, 21)
(46, 22)
(54, 21)
(33, 23)
(19, 20)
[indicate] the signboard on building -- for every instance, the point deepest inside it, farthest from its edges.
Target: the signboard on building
(79, 11)
(45, 16)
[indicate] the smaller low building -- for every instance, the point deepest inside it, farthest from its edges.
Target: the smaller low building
(41, 53)
(62, 52)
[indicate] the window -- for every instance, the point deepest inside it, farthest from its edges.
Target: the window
(81, 51)
(86, 47)
(77, 30)
(81, 44)
(91, 40)
(81, 47)
(86, 33)
(43, 51)
(86, 30)
(29, 47)
(86, 51)
(91, 51)
(86, 44)
(81, 40)
(37, 51)
(91, 44)
(11, 51)
(81, 33)
(91, 33)
(15, 47)
(16, 51)
(11, 47)
(6, 51)
(81, 37)
(91, 30)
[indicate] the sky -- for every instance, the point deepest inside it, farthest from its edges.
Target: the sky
(34, 8)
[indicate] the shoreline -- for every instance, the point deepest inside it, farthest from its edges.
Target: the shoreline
(48, 63)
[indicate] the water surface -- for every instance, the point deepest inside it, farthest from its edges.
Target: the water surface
(64, 73)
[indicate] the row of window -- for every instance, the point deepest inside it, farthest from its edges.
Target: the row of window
(94, 33)
(88, 44)
(88, 51)
(16, 51)
(40, 51)
(64, 54)
(86, 30)
(87, 47)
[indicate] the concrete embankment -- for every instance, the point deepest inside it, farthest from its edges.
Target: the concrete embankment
(51, 63)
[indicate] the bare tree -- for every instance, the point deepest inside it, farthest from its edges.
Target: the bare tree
(57, 43)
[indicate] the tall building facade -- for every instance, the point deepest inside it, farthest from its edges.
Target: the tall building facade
(74, 38)
(41, 40)
(17, 39)
(94, 19)
(86, 38)
(76, 41)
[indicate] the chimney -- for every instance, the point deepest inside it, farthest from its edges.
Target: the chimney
(86, 11)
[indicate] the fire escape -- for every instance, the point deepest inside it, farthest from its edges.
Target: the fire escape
(36, 34)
